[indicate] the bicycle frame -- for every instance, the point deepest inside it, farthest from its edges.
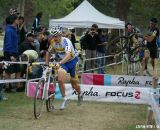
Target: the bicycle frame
(45, 76)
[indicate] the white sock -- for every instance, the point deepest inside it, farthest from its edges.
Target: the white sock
(64, 98)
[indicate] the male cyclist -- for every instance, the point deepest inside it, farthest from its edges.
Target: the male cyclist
(153, 49)
(67, 63)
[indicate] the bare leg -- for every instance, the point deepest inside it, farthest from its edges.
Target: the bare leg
(61, 81)
(144, 61)
(154, 63)
(75, 86)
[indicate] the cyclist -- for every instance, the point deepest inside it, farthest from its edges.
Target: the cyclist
(67, 63)
(152, 48)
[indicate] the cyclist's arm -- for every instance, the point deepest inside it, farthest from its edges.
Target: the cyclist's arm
(149, 38)
(66, 58)
(152, 37)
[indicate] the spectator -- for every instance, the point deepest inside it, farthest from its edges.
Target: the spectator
(10, 49)
(101, 50)
(27, 44)
(38, 70)
(129, 28)
(36, 23)
(22, 29)
(91, 40)
(37, 40)
(2, 97)
(73, 37)
(30, 56)
(44, 44)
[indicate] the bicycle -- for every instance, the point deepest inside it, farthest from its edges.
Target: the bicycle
(125, 46)
(44, 90)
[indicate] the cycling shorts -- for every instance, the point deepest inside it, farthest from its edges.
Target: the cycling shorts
(71, 67)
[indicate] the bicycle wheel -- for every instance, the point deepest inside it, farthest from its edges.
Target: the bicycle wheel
(51, 95)
(38, 99)
(118, 45)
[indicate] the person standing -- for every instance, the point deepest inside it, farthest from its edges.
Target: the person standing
(22, 29)
(101, 51)
(37, 22)
(91, 40)
(73, 37)
(10, 49)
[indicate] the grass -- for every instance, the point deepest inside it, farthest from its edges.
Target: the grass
(17, 114)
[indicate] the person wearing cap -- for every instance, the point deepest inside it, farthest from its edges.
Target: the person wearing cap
(10, 49)
(67, 63)
(152, 51)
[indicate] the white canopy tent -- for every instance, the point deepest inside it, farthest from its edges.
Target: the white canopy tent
(84, 16)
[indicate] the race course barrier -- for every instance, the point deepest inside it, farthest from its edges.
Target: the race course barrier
(117, 80)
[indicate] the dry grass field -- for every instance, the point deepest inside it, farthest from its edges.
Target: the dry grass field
(17, 114)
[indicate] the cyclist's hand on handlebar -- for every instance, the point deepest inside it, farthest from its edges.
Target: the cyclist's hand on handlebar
(57, 66)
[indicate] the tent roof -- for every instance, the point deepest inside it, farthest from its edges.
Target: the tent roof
(84, 16)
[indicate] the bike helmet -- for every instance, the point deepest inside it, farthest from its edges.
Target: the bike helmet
(57, 30)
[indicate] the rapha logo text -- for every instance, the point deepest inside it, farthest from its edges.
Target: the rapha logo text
(88, 93)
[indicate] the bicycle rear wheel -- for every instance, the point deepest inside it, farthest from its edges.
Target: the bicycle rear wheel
(118, 45)
(38, 99)
(51, 96)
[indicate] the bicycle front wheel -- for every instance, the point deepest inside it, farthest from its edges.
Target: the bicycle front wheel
(38, 99)
(51, 96)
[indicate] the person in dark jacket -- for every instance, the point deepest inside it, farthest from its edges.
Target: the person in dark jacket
(73, 37)
(27, 44)
(10, 49)
(22, 29)
(36, 23)
(91, 40)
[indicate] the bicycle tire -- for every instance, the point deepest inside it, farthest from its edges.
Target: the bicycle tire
(51, 97)
(38, 99)
(118, 45)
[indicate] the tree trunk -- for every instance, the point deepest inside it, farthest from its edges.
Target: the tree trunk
(122, 9)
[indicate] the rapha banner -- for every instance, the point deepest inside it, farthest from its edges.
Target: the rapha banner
(117, 80)
(133, 95)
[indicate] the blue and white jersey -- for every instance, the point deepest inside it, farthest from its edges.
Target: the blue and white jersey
(65, 45)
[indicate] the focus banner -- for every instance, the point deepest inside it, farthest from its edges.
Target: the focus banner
(133, 95)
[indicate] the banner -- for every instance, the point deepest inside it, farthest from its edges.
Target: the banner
(155, 103)
(117, 80)
(133, 95)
